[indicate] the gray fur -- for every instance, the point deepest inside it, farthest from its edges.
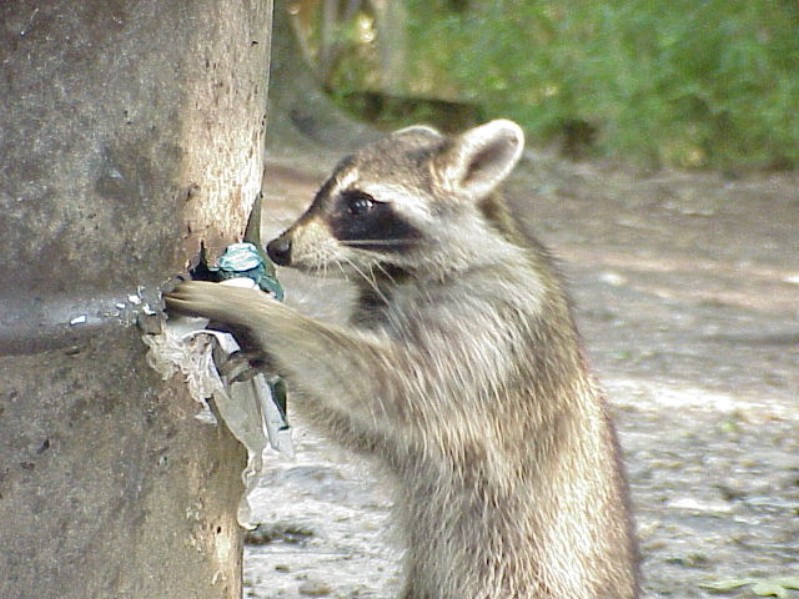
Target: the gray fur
(463, 371)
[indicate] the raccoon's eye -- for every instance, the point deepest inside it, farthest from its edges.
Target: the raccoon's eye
(358, 203)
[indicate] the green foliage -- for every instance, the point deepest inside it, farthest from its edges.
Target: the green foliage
(688, 82)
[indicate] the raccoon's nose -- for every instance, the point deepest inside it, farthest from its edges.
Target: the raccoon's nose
(279, 250)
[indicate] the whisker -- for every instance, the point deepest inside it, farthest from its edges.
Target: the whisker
(371, 281)
(342, 269)
(386, 273)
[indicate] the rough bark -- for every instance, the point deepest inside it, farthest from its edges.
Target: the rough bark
(130, 132)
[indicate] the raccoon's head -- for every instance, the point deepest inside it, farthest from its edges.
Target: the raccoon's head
(415, 202)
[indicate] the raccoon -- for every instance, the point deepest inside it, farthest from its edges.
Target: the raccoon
(461, 369)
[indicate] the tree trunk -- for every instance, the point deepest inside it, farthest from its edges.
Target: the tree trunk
(130, 132)
(302, 119)
(393, 40)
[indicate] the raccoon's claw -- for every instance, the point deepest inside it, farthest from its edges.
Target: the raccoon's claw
(242, 365)
(194, 298)
(178, 300)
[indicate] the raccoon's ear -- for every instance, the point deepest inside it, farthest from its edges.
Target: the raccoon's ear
(480, 158)
(417, 129)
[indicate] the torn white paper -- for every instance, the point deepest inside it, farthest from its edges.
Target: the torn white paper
(247, 407)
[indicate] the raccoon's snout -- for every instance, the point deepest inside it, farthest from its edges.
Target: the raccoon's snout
(279, 250)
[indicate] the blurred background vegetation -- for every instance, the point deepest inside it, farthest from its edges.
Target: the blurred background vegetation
(691, 83)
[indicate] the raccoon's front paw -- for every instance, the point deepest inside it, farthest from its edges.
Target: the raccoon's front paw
(242, 365)
(209, 300)
(188, 298)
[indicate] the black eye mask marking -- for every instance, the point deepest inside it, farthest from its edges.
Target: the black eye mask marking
(360, 221)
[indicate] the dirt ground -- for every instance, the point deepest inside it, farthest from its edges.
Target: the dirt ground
(687, 293)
